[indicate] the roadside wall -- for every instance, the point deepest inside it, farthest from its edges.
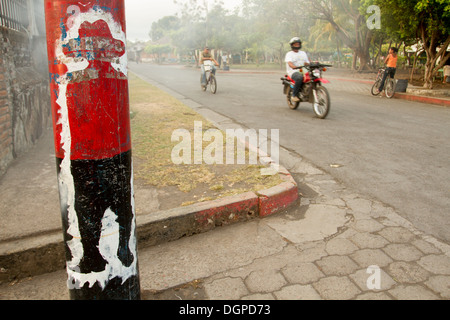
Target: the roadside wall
(25, 110)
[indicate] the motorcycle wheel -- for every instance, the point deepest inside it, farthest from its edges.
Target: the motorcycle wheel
(293, 105)
(322, 106)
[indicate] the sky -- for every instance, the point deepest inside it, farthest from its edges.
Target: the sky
(140, 14)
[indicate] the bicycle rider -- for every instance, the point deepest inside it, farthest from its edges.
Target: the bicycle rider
(391, 66)
(295, 59)
(205, 56)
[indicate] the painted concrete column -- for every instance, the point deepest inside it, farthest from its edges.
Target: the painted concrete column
(89, 91)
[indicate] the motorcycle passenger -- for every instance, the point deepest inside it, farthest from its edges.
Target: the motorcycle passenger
(206, 55)
(295, 59)
(391, 69)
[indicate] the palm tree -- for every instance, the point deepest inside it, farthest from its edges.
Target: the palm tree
(323, 30)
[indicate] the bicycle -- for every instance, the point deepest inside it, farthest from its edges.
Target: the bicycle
(389, 87)
(210, 78)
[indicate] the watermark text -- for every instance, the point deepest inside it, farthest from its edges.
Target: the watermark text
(240, 147)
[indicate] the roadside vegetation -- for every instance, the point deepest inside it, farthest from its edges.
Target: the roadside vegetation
(155, 116)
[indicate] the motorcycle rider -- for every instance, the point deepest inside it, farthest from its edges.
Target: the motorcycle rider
(295, 59)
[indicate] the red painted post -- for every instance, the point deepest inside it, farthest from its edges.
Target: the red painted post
(89, 91)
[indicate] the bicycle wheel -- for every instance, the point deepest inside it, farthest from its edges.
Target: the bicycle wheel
(212, 83)
(376, 86)
(390, 88)
(321, 103)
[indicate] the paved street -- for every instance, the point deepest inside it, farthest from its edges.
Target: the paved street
(392, 151)
(341, 242)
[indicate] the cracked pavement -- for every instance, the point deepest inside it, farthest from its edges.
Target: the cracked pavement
(319, 250)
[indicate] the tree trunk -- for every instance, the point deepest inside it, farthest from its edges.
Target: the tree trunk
(281, 54)
(380, 48)
(414, 64)
(364, 53)
(429, 74)
(338, 48)
(364, 39)
(431, 45)
(355, 60)
(197, 59)
(405, 53)
(364, 61)
(434, 67)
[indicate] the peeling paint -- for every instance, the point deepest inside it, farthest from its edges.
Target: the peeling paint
(77, 63)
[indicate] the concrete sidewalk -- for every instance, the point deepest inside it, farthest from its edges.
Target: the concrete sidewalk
(333, 244)
(31, 241)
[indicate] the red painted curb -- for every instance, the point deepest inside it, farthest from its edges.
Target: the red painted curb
(277, 198)
(158, 227)
(430, 100)
(228, 210)
(247, 206)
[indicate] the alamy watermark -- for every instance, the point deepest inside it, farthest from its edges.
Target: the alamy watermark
(374, 21)
(237, 144)
(374, 281)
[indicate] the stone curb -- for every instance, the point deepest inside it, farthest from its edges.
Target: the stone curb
(423, 99)
(42, 254)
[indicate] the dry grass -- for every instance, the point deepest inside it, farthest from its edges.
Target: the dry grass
(155, 116)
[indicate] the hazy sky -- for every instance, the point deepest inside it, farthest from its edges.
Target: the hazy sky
(142, 13)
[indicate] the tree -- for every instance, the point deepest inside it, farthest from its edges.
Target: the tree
(271, 39)
(427, 21)
(158, 50)
(354, 33)
(323, 34)
(164, 27)
(434, 31)
(203, 24)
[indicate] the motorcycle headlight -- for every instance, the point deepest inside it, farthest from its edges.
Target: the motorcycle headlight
(317, 73)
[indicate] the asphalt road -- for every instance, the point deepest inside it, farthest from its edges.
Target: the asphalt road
(395, 151)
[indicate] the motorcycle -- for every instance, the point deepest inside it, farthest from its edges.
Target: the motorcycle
(312, 91)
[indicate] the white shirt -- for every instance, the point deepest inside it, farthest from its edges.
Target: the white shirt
(297, 58)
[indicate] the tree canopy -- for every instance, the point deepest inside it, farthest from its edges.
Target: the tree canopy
(261, 29)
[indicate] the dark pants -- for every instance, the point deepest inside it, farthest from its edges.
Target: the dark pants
(298, 78)
(389, 72)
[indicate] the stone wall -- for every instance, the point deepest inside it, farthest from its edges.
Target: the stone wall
(25, 110)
